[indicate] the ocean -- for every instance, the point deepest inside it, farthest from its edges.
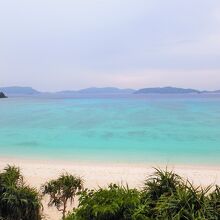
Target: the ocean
(132, 129)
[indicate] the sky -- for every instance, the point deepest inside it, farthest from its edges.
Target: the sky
(71, 44)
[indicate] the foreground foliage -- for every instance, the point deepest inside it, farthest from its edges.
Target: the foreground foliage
(165, 195)
(17, 200)
(115, 202)
(62, 190)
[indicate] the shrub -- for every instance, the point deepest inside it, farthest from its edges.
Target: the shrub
(113, 203)
(17, 200)
(165, 196)
(62, 190)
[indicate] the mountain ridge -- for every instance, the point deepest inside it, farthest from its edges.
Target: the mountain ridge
(29, 91)
(108, 90)
(19, 90)
(166, 90)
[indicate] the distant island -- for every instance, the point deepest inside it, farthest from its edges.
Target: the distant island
(107, 90)
(96, 90)
(28, 91)
(2, 95)
(166, 90)
(18, 90)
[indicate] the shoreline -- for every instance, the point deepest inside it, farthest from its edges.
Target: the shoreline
(83, 168)
(108, 163)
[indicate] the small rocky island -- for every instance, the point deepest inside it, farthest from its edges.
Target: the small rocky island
(2, 95)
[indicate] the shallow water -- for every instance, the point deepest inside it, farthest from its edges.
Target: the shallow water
(151, 129)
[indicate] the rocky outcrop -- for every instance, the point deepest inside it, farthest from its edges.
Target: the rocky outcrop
(2, 95)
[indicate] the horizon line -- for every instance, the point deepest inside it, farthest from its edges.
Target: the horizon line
(104, 87)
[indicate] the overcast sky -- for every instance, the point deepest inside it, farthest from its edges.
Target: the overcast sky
(71, 44)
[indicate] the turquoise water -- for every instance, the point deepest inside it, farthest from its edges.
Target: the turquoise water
(144, 129)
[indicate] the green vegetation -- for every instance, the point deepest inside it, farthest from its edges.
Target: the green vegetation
(18, 201)
(62, 190)
(115, 202)
(164, 196)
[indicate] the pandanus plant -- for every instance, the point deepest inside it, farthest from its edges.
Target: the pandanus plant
(62, 190)
(164, 196)
(18, 201)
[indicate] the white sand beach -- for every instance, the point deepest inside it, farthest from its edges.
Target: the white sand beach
(37, 172)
